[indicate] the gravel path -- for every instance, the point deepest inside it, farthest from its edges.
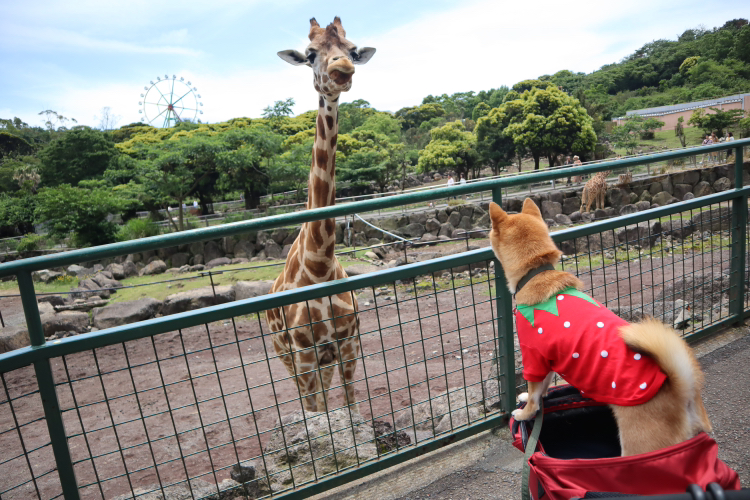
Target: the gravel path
(497, 474)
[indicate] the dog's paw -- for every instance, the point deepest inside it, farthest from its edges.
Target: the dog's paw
(520, 414)
(523, 397)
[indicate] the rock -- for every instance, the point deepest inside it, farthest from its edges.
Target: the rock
(54, 300)
(314, 437)
(717, 219)
(427, 237)
(76, 270)
(104, 282)
(655, 188)
(600, 214)
(703, 188)
(227, 489)
(563, 219)
(688, 196)
(249, 289)
(646, 196)
(179, 259)
(166, 253)
(357, 269)
(618, 197)
(437, 414)
(212, 251)
(196, 299)
(643, 234)
(593, 243)
(661, 198)
(284, 252)
(413, 230)
(432, 226)
(117, 271)
(722, 184)
(89, 284)
(240, 260)
(555, 196)
(129, 269)
(465, 223)
(643, 205)
(123, 313)
(571, 205)
(155, 267)
(680, 190)
(245, 473)
(666, 185)
(678, 228)
(244, 249)
(197, 267)
(273, 250)
(478, 233)
(196, 248)
(45, 275)
(13, 337)
(483, 221)
(454, 219)
(466, 210)
(550, 209)
(66, 321)
(418, 218)
(372, 256)
(445, 230)
(575, 216)
(628, 209)
(442, 216)
(279, 235)
(221, 261)
(633, 198)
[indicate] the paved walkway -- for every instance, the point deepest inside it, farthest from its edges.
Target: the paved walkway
(726, 363)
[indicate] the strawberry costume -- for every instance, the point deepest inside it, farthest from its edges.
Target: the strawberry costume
(578, 338)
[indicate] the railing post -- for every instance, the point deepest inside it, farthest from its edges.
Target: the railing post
(47, 391)
(739, 236)
(506, 357)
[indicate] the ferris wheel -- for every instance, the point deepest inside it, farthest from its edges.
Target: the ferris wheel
(169, 101)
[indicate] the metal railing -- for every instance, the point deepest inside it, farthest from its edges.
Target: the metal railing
(183, 402)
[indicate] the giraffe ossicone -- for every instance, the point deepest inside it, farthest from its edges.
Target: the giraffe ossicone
(312, 338)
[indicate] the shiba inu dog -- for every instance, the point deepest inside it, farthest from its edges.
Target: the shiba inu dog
(645, 372)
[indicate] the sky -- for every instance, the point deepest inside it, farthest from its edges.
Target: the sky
(79, 57)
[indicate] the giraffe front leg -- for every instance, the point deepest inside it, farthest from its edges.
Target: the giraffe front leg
(348, 353)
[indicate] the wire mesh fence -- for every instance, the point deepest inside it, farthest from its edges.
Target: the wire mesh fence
(210, 403)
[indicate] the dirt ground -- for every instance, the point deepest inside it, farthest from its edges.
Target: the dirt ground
(412, 350)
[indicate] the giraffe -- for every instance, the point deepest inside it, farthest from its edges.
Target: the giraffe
(594, 191)
(312, 337)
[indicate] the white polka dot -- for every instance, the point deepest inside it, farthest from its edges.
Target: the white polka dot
(643, 385)
(566, 324)
(575, 355)
(605, 354)
(540, 330)
(637, 356)
(560, 297)
(600, 324)
(614, 386)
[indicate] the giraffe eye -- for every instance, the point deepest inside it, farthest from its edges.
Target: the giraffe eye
(311, 57)
(354, 55)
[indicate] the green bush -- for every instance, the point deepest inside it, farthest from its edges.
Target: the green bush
(137, 228)
(30, 242)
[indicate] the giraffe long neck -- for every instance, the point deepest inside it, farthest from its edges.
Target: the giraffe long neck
(322, 182)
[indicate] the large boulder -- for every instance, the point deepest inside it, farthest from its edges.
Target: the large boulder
(212, 251)
(413, 230)
(722, 184)
(180, 259)
(680, 190)
(465, 223)
(357, 269)
(279, 235)
(273, 250)
(66, 321)
(661, 198)
(571, 205)
(455, 218)
(249, 289)
(123, 313)
(197, 298)
(244, 249)
(117, 271)
(703, 188)
(13, 337)
(432, 226)
(46, 276)
(643, 234)
(592, 243)
(155, 267)
(314, 444)
(129, 269)
(550, 209)
(104, 282)
(445, 230)
(717, 219)
(221, 261)
(618, 197)
(89, 284)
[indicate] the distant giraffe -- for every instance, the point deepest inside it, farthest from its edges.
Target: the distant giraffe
(624, 180)
(314, 336)
(594, 191)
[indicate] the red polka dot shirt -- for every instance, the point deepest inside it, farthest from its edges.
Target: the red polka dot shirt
(578, 338)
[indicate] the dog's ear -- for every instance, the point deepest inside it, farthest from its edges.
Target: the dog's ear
(497, 214)
(530, 208)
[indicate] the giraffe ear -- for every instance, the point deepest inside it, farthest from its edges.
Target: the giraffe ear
(530, 208)
(363, 55)
(294, 57)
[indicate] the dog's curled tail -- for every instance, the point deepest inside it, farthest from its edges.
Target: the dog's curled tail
(676, 360)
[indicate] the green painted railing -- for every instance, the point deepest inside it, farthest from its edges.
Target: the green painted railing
(41, 352)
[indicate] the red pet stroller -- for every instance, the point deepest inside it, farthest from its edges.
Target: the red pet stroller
(578, 456)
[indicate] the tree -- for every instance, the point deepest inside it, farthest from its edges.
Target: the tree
(354, 114)
(82, 211)
(55, 121)
(628, 135)
(369, 157)
(13, 145)
(279, 110)
(717, 121)
(494, 146)
(17, 214)
(548, 122)
(83, 153)
(451, 148)
(680, 132)
(107, 119)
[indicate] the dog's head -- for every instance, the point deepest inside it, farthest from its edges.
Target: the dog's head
(521, 242)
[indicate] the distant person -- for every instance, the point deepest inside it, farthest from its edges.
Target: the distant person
(566, 164)
(462, 181)
(730, 138)
(715, 154)
(577, 163)
(706, 142)
(195, 204)
(451, 183)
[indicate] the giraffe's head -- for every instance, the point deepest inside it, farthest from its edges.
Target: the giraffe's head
(331, 56)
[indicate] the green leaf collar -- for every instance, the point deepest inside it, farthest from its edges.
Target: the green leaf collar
(550, 305)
